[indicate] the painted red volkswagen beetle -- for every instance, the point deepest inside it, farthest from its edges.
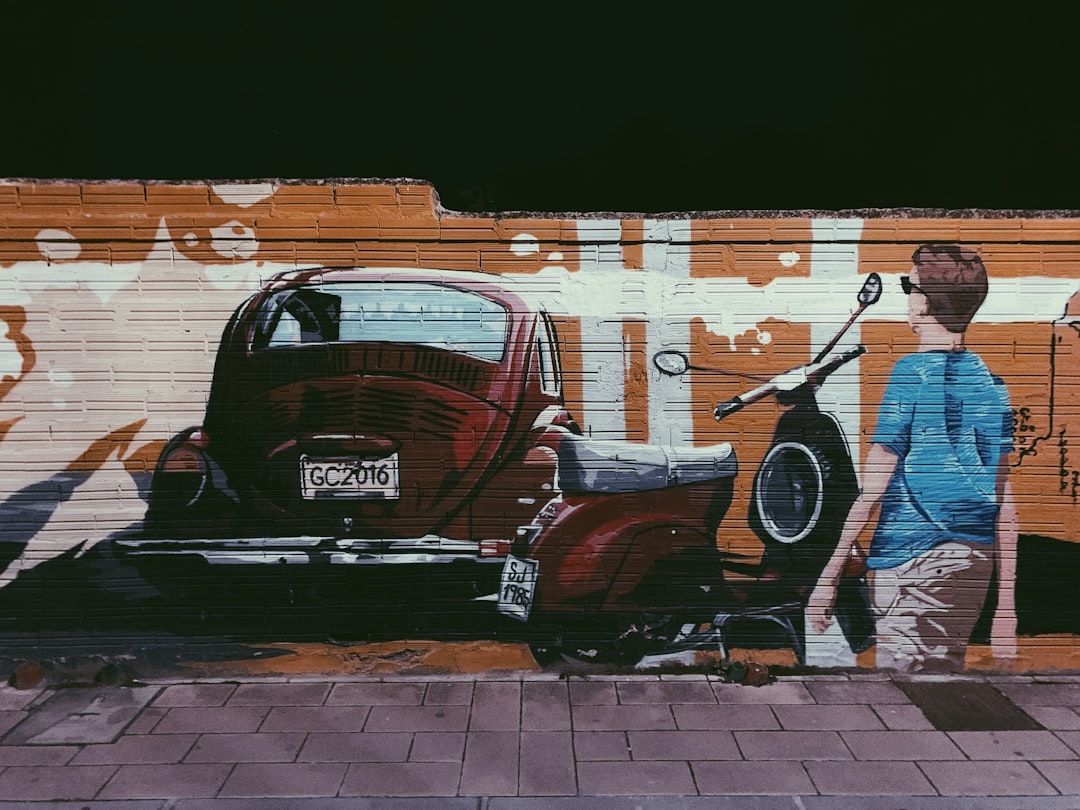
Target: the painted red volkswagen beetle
(364, 417)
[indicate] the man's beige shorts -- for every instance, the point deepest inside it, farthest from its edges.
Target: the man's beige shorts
(927, 607)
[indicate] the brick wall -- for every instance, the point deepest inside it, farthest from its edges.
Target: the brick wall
(113, 298)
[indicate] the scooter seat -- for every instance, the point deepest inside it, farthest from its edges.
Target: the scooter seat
(588, 465)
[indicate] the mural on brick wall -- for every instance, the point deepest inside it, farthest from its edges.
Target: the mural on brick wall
(614, 440)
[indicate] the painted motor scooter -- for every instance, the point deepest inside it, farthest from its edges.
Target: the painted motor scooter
(624, 562)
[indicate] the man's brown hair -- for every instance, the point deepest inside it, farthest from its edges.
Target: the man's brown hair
(953, 280)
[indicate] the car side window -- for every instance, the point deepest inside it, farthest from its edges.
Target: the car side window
(548, 353)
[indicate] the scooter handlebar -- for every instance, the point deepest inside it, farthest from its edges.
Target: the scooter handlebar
(728, 407)
(815, 373)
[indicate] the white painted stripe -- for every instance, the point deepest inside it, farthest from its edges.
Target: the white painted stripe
(602, 360)
(667, 251)
(835, 256)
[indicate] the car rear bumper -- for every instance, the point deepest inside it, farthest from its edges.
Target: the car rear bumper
(307, 550)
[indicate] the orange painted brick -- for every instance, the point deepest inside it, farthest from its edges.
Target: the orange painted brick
(348, 226)
(328, 254)
(546, 230)
(366, 196)
(132, 195)
(315, 198)
(1065, 230)
(49, 194)
(409, 229)
(302, 226)
(416, 200)
(479, 229)
(179, 196)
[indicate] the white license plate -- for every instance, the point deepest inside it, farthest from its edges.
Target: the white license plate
(348, 477)
(517, 587)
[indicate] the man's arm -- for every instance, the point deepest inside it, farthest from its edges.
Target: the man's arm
(880, 465)
(1003, 628)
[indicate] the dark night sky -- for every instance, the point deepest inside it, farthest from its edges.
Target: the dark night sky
(582, 107)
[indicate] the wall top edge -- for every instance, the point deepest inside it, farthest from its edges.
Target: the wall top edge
(893, 212)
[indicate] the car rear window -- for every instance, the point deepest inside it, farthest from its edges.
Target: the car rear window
(418, 313)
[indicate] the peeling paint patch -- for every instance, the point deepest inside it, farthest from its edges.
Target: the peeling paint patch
(57, 245)
(244, 195)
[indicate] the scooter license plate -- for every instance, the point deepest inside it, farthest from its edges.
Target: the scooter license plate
(517, 586)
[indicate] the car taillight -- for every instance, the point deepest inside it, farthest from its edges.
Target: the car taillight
(494, 548)
(181, 475)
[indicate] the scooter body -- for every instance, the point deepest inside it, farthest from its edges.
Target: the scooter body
(626, 552)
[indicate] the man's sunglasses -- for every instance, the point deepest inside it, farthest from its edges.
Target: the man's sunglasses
(907, 286)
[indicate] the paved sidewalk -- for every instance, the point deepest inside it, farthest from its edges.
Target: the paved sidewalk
(538, 741)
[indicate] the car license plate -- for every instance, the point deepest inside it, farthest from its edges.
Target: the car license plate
(517, 586)
(348, 477)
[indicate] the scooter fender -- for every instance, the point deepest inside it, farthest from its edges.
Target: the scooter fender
(598, 551)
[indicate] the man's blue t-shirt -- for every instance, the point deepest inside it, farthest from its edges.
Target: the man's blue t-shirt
(948, 420)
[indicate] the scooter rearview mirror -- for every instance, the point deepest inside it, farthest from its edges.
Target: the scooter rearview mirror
(671, 362)
(871, 290)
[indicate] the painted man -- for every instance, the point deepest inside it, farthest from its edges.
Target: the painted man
(938, 469)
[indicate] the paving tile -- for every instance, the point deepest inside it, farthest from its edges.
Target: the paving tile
(1071, 739)
(1022, 745)
(828, 717)
(601, 746)
(686, 745)
(437, 746)
(359, 746)
(1055, 718)
(1042, 694)
(13, 700)
(53, 783)
(402, 779)
(9, 718)
(593, 693)
(36, 754)
(547, 766)
(665, 692)
(286, 780)
(867, 692)
(449, 693)
(262, 747)
(138, 749)
(899, 717)
(545, 706)
(225, 720)
(622, 718)
(165, 781)
(869, 779)
(496, 706)
(1065, 776)
(315, 718)
(901, 745)
(279, 694)
(635, 779)
(74, 716)
(751, 778)
(490, 766)
(779, 693)
(986, 779)
(377, 694)
(748, 716)
(418, 718)
(146, 720)
(803, 745)
(194, 695)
